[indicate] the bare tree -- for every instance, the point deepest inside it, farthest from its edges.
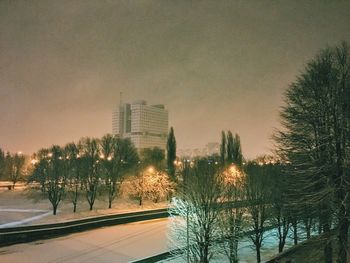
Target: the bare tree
(14, 167)
(74, 177)
(258, 197)
(90, 158)
(231, 217)
(195, 228)
(118, 157)
(55, 180)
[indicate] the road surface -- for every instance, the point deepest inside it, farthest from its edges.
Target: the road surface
(121, 243)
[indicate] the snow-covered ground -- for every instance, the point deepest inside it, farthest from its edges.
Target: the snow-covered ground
(120, 243)
(26, 207)
(246, 251)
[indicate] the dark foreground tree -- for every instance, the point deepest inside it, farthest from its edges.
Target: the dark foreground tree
(315, 141)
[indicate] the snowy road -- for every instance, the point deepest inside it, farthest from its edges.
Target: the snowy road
(121, 243)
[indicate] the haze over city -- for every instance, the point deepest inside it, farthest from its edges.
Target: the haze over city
(215, 65)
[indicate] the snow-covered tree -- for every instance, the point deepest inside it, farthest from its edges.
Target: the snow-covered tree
(151, 184)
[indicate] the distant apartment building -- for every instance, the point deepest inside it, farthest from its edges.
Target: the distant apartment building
(146, 125)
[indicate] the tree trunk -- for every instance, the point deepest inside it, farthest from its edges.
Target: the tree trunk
(343, 235)
(308, 224)
(235, 259)
(295, 233)
(140, 201)
(308, 231)
(54, 209)
(328, 251)
(281, 246)
(75, 199)
(206, 254)
(258, 256)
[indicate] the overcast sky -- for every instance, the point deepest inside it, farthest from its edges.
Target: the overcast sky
(214, 64)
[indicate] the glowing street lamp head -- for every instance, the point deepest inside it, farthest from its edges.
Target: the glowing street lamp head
(151, 169)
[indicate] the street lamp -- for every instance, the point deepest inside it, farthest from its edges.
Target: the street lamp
(151, 169)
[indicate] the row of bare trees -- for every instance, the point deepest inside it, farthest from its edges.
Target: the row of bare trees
(94, 165)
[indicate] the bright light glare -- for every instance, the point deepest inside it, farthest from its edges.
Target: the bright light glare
(232, 175)
(150, 169)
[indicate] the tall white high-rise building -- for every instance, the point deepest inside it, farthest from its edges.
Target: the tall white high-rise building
(146, 125)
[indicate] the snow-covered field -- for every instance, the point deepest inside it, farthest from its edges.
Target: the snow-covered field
(246, 252)
(24, 207)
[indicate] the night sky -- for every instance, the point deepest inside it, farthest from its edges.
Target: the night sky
(214, 64)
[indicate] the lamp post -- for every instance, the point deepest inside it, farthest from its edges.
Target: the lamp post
(185, 179)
